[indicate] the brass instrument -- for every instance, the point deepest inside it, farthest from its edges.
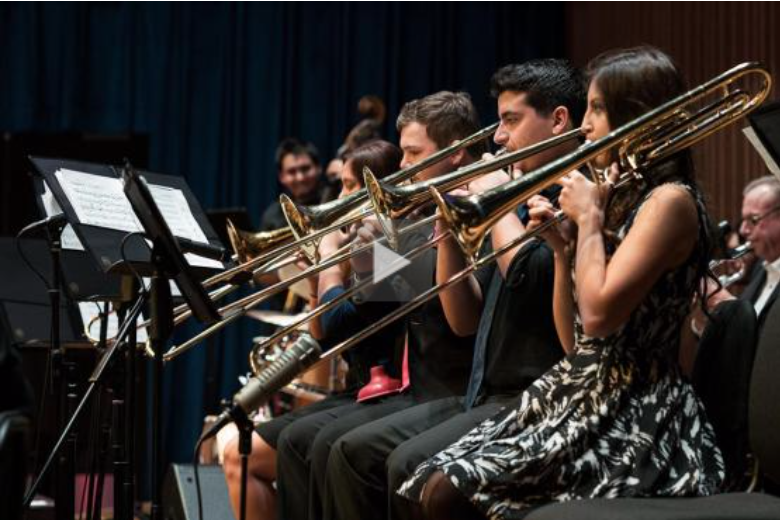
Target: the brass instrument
(738, 252)
(645, 141)
(394, 202)
(251, 245)
(641, 143)
(308, 224)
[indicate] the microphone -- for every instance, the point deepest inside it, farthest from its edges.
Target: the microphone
(300, 356)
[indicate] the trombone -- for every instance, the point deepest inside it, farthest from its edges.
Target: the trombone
(394, 202)
(640, 144)
(403, 201)
(266, 251)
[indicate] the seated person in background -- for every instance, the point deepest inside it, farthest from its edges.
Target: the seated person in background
(760, 224)
(299, 171)
(383, 158)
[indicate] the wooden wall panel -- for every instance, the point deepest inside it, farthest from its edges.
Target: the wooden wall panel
(704, 39)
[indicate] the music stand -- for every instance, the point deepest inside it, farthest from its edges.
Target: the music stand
(765, 126)
(104, 244)
(168, 262)
(107, 248)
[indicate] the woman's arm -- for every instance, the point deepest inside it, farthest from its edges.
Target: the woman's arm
(662, 237)
(563, 306)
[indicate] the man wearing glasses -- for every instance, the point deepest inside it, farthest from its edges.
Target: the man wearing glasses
(760, 225)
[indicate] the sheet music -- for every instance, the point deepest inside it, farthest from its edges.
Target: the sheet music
(68, 238)
(90, 310)
(98, 200)
(101, 201)
(176, 212)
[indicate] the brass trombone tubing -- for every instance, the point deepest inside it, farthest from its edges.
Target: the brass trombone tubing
(470, 217)
(320, 309)
(237, 309)
(429, 294)
(182, 312)
(303, 219)
(394, 202)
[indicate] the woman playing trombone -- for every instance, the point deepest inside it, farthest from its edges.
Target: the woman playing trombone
(615, 417)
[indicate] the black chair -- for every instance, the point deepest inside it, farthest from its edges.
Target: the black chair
(14, 450)
(721, 377)
(764, 437)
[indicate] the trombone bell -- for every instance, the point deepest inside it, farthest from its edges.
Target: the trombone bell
(251, 245)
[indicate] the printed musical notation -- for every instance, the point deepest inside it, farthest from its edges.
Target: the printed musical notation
(100, 201)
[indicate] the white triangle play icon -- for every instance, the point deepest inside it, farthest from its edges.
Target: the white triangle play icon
(386, 262)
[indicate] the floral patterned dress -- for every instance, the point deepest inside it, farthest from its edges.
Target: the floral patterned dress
(615, 418)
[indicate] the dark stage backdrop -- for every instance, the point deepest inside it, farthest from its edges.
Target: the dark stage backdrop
(216, 86)
(705, 38)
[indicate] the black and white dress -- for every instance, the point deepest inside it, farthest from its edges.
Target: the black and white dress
(615, 418)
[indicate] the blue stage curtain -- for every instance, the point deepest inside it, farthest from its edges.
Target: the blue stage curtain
(215, 86)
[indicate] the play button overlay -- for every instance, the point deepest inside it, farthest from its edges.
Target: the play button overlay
(387, 262)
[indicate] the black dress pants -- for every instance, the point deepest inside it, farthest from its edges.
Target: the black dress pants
(304, 446)
(368, 464)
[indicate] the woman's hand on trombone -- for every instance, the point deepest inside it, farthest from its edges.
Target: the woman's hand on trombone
(581, 198)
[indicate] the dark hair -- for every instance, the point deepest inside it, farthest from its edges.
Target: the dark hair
(381, 157)
(547, 83)
(633, 82)
(447, 117)
(293, 146)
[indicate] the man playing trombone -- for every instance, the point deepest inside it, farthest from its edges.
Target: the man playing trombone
(437, 361)
(509, 309)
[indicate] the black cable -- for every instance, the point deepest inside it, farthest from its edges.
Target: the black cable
(195, 462)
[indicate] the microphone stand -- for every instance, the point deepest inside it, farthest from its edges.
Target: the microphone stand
(245, 428)
(62, 380)
(161, 315)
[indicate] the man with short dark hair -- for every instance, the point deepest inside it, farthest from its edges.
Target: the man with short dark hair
(298, 171)
(536, 101)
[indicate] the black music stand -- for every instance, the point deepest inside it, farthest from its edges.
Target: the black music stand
(105, 245)
(167, 263)
(765, 122)
(109, 251)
